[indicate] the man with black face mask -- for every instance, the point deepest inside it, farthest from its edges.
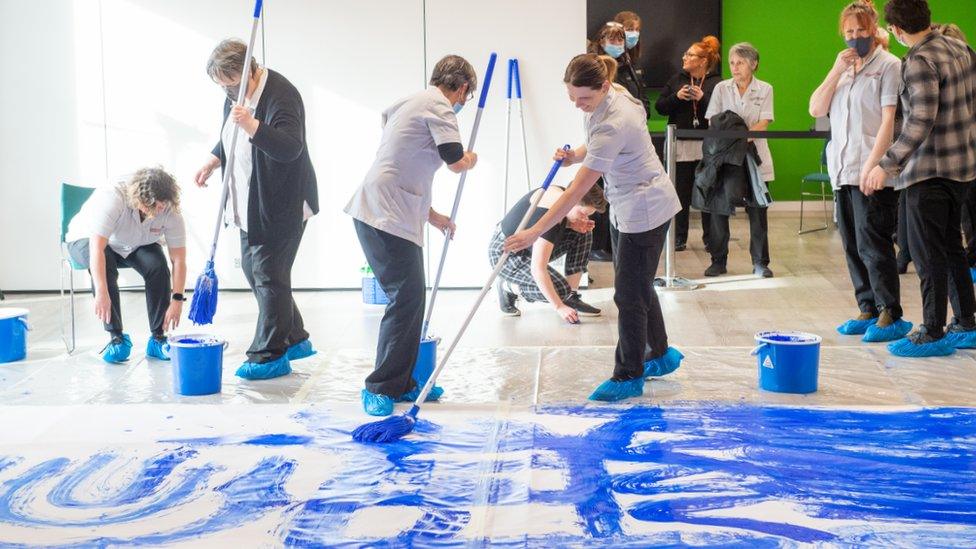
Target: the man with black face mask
(934, 161)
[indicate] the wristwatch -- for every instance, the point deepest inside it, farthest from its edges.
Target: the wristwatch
(178, 297)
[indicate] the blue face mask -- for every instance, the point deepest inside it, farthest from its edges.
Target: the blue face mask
(457, 107)
(861, 44)
(632, 38)
(613, 50)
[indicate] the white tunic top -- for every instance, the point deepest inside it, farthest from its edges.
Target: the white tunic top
(619, 146)
(395, 195)
(855, 115)
(754, 105)
(107, 213)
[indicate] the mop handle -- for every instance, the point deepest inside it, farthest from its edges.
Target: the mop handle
(525, 144)
(511, 72)
(484, 290)
(518, 80)
(229, 155)
(457, 194)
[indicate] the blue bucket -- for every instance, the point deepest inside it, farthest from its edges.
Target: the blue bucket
(13, 334)
(198, 364)
(373, 294)
(426, 360)
(788, 361)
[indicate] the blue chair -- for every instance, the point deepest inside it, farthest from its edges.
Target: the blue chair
(73, 198)
(822, 179)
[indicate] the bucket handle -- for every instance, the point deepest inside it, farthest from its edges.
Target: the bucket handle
(24, 322)
(755, 350)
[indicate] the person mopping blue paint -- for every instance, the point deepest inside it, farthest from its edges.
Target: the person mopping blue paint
(121, 225)
(270, 191)
(389, 210)
(642, 203)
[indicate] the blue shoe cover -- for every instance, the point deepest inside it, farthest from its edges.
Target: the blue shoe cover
(664, 364)
(897, 330)
(904, 347)
(961, 340)
(116, 352)
(434, 395)
(972, 273)
(377, 405)
(300, 350)
(265, 370)
(612, 391)
(157, 349)
(856, 327)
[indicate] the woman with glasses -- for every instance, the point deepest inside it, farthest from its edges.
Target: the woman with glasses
(389, 210)
(684, 100)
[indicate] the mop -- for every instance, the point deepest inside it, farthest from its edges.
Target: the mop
(204, 304)
(457, 195)
(514, 78)
(394, 428)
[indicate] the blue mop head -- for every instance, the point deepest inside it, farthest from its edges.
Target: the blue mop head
(387, 430)
(612, 391)
(204, 305)
(664, 364)
(897, 330)
(856, 327)
(963, 339)
(904, 347)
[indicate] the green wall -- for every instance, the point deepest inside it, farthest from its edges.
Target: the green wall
(798, 41)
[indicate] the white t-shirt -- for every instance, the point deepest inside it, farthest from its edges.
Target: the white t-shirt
(855, 116)
(754, 105)
(396, 194)
(618, 145)
(107, 213)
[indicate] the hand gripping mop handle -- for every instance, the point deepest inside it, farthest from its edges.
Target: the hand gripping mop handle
(484, 290)
(229, 154)
(457, 194)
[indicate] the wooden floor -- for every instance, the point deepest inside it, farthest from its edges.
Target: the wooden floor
(536, 357)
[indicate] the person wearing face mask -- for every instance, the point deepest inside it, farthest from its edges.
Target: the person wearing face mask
(933, 160)
(631, 23)
(642, 202)
(389, 210)
(860, 93)
(684, 100)
(751, 99)
(272, 192)
(121, 225)
(612, 41)
(527, 272)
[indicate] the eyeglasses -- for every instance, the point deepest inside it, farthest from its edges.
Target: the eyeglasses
(689, 54)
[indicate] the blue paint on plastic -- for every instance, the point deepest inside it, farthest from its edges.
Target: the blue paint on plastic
(488, 72)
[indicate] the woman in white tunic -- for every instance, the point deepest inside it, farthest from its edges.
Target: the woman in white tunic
(642, 202)
(752, 99)
(860, 93)
(390, 208)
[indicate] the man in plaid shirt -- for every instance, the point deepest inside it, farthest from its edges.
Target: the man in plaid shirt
(934, 161)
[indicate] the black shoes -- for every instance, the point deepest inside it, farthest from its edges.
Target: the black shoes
(716, 269)
(506, 299)
(680, 246)
(762, 271)
(600, 255)
(584, 309)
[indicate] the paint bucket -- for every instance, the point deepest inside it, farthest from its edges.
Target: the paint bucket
(426, 361)
(13, 334)
(198, 363)
(788, 361)
(373, 294)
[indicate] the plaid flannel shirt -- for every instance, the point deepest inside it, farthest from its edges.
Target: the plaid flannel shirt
(938, 136)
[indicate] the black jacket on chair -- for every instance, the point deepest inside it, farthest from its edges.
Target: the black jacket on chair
(723, 179)
(282, 178)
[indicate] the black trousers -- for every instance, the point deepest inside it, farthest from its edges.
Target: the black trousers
(601, 228)
(866, 225)
(398, 265)
(640, 322)
(719, 234)
(267, 268)
(684, 182)
(903, 255)
(968, 219)
(151, 264)
(933, 209)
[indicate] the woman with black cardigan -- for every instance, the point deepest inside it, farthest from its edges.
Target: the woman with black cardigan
(684, 101)
(273, 191)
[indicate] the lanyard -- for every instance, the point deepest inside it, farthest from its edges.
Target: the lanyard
(694, 103)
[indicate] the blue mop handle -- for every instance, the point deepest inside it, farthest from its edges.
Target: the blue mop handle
(511, 74)
(484, 290)
(257, 8)
(457, 194)
(518, 79)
